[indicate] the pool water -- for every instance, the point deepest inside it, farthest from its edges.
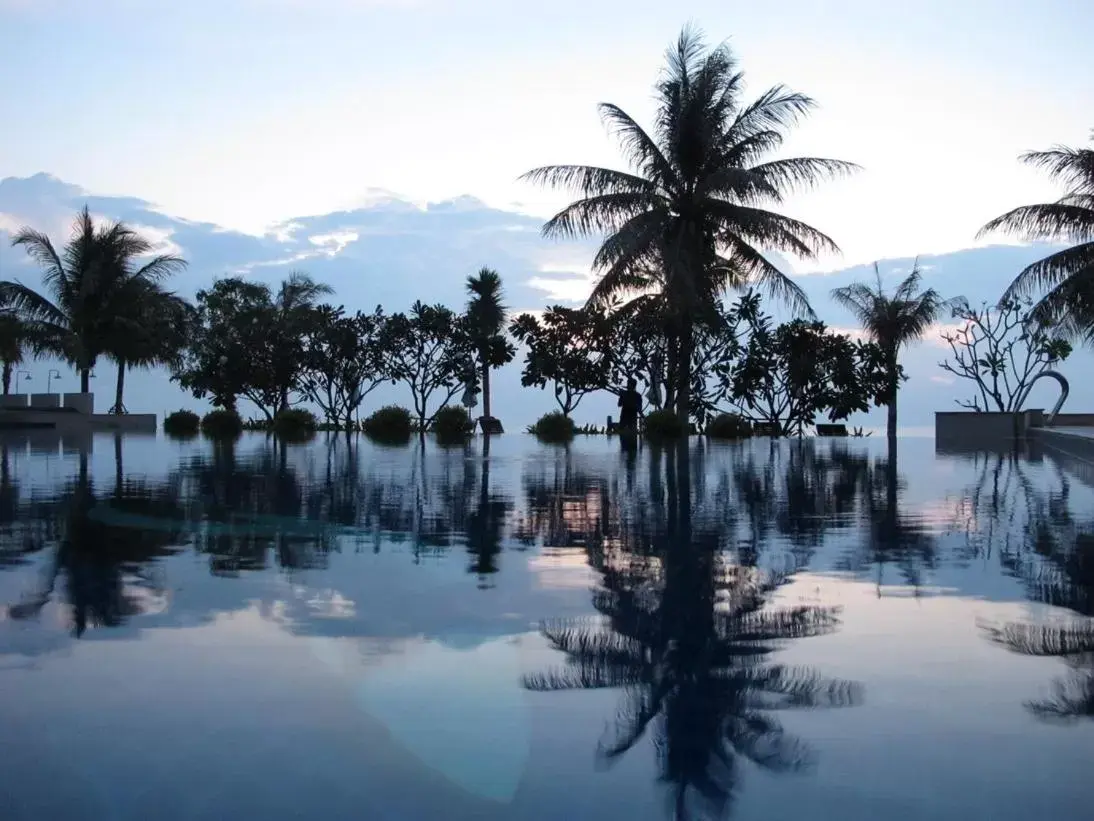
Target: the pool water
(339, 630)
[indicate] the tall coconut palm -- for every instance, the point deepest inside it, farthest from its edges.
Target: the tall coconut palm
(892, 321)
(697, 198)
(486, 314)
(151, 330)
(89, 281)
(1067, 276)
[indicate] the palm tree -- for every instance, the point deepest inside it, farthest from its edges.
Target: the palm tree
(14, 342)
(298, 294)
(892, 321)
(696, 201)
(90, 282)
(486, 314)
(1067, 275)
(151, 331)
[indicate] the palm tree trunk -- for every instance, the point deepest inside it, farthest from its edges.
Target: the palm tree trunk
(119, 471)
(118, 393)
(85, 380)
(486, 390)
(7, 378)
(894, 386)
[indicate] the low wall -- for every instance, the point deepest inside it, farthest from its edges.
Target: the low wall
(1065, 420)
(124, 422)
(64, 420)
(966, 426)
(14, 400)
(82, 402)
(45, 400)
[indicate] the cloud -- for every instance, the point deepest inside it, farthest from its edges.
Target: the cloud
(943, 380)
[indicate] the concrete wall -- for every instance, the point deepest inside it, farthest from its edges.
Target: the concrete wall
(83, 402)
(125, 422)
(14, 400)
(1065, 420)
(963, 427)
(45, 400)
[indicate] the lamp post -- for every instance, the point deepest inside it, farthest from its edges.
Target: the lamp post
(53, 374)
(24, 375)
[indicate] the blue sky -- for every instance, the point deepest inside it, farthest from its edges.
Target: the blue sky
(245, 112)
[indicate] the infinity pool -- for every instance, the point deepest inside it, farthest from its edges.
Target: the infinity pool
(767, 630)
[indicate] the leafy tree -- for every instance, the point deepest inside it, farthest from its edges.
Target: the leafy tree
(892, 321)
(696, 202)
(1001, 349)
(1067, 276)
(486, 313)
(790, 374)
(248, 342)
(91, 283)
(568, 348)
(428, 349)
(344, 361)
(222, 361)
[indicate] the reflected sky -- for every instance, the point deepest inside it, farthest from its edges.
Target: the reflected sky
(814, 628)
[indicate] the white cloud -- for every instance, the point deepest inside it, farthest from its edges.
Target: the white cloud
(332, 244)
(943, 380)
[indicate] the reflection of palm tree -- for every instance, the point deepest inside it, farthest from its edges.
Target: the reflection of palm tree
(103, 565)
(486, 524)
(1073, 697)
(688, 640)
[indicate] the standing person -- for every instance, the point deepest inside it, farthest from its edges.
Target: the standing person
(630, 405)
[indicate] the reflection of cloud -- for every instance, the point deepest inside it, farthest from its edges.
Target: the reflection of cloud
(562, 567)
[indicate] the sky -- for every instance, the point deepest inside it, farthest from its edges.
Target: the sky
(248, 112)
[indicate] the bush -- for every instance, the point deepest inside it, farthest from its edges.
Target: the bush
(729, 426)
(222, 423)
(452, 424)
(554, 427)
(390, 424)
(663, 424)
(182, 423)
(295, 423)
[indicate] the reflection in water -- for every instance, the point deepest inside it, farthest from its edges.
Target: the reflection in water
(1041, 542)
(689, 552)
(686, 636)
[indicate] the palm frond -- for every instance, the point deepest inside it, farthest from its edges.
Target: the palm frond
(802, 173)
(1052, 270)
(601, 214)
(761, 272)
(589, 180)
(1045, 221)
(639, 149)
(40, 248)
(1074, 167)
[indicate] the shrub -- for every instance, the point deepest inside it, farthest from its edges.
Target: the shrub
(222, 423)
(554, 427)
(452, 424)
(663, 424)
(295, 423)
(729, 426)
(182, 423)
(389, 424)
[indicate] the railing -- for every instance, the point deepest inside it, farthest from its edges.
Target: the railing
(1064, 391)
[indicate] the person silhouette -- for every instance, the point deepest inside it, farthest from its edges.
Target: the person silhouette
(630, 406)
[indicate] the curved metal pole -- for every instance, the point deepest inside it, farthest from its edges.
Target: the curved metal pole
(1065, 389)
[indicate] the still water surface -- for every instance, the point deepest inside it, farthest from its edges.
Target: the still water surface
(339, 630)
